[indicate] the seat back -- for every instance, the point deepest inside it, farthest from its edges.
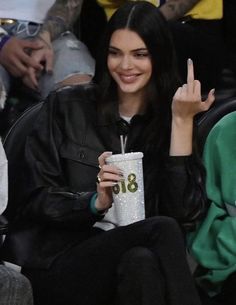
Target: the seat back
(14, 144)
(208, 119)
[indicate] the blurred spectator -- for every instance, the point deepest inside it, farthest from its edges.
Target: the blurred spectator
(91, 25)
(213, 243)
(41, 50)
(230, 33)
(15, 289)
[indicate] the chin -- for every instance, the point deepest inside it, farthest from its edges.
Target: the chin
(130, 88)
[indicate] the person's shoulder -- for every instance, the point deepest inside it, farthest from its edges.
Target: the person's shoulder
(76, 92)
(77, 96)
(228, 120)
(223, 134)
(75, 103)
(225, 125)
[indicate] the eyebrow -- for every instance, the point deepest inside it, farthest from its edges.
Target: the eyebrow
(135, 50)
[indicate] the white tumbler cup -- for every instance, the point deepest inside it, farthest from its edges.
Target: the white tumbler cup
(128, 195)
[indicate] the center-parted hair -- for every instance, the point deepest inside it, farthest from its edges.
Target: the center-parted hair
(145, 20)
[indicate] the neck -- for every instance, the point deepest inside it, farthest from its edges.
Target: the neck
(131, 104)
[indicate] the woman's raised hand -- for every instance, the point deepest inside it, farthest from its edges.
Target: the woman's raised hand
(187, 100)
(107, 177)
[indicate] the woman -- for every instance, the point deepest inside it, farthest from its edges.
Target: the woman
(56, 238)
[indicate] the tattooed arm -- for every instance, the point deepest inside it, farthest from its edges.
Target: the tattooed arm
(175, 9)
(61, 16)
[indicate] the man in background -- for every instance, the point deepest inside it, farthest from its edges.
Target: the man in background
(36, 45)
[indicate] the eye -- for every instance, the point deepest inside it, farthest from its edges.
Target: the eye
(113, 52)
(141, 54)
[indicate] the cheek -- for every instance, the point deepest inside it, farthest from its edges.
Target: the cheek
(145, 66)
(149, 73)
(111, 64)
(149, 67)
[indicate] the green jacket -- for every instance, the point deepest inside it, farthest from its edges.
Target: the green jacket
(214, 243)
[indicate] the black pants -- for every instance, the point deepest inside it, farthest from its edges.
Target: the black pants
(143, 263)
(227, 295)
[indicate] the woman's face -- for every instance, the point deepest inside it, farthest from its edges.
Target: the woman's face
(129, 61)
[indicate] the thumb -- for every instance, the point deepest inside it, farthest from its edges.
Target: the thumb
(210, 99)
(49, 62)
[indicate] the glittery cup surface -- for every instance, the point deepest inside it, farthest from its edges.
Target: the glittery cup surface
(128, 195)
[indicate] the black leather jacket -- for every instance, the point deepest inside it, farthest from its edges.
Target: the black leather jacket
(61, 154)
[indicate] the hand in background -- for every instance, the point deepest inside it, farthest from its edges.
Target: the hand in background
(15, 56)
(43, 57)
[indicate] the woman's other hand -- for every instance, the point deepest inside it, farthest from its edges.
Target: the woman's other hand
(187, 101)
(107, 177)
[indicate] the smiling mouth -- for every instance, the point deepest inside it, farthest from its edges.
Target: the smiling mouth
(128, 78)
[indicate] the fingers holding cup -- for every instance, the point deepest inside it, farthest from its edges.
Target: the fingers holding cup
(108, 174)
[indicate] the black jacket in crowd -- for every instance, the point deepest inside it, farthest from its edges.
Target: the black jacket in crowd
(62, 164)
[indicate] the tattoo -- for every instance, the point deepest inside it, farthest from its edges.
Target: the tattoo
(175, 9)
(61, 16)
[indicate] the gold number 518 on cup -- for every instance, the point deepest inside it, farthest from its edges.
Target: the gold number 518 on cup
(131, 185)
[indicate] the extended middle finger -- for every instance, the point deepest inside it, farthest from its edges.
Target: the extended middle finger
(190, 76)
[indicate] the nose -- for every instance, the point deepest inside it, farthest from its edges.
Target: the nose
(126, 62)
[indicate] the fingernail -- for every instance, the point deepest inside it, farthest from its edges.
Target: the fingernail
(213, 91)
(190, 61)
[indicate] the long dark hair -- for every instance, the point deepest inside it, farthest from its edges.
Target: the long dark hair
(144, 19)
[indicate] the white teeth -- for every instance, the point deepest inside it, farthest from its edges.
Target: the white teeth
(128, 77)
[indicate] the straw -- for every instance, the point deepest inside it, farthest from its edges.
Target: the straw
(123, 141)
(122, 144)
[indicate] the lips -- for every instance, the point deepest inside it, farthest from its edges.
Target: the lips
(130, 78)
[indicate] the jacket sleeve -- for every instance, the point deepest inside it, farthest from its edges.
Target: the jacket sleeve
(182, 194)
(49, 199)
